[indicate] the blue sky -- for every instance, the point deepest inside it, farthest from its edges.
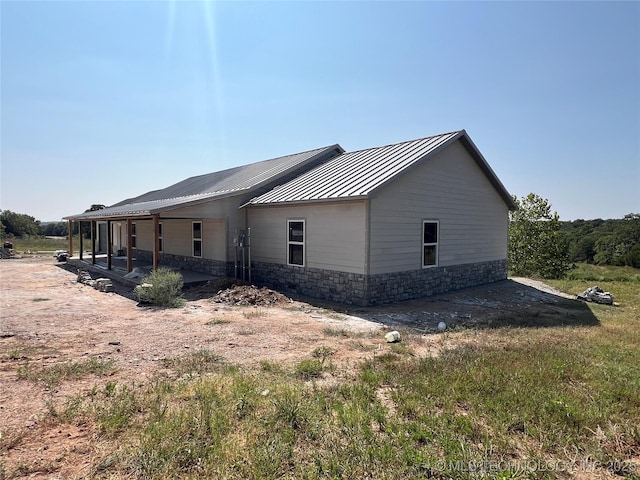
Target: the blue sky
(101, 101)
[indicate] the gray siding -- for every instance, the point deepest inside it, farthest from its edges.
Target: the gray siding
(450, 188)
(225, 211)
(335, 234)
(177, 237)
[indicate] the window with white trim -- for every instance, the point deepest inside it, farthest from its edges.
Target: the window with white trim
(133, 236)
(197, 238)
(295, 242)
(430, 233)
(160, 237)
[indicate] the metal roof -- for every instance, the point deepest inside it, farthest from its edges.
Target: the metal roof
(357, 174)
(225, 183)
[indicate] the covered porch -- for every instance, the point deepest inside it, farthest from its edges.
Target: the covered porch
(120, 272)
(122, 258)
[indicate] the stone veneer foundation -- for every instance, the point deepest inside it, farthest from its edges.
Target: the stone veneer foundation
(202, 265)
(363, 290)
(348, 288)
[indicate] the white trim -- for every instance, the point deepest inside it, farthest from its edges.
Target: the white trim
(294, 242)
(430, 244)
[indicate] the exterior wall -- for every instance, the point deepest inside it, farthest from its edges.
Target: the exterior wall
(363, 290)
(335, 235)
(226, 210)
(177, 237)
(203, 265)
(450, 188)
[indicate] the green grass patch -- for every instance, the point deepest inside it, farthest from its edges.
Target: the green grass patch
(42, 244)
(337, 332)
(199, 362)
(53, 375)
(218, 321)
(255, 313)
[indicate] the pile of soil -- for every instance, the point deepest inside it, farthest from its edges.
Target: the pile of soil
(250, 295)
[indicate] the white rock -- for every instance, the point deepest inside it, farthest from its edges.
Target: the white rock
(392, 337)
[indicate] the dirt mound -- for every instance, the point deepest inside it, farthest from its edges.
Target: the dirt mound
(250, 295)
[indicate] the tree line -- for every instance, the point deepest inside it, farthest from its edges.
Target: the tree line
(542, 245)
(604, 242)
(17, 225)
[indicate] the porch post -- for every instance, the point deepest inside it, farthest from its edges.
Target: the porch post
(156, 242)
(70, 238)
(93, 242)
(81, 240)
(109, 244)
(129, 247)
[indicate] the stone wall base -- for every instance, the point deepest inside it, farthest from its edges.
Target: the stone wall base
(362, 290)
(348, 288)
(202, 265)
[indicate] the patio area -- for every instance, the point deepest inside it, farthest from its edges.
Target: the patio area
(119, 273)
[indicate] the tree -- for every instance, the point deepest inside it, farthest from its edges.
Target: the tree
(536, 247)
(622, 245)
(19, 224)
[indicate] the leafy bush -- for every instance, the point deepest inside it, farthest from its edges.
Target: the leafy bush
(535, 248)
(162, 287)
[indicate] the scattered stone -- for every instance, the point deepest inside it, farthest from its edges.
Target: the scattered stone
(61, 255)
(442, 326)
(114, 343)
(104, 285)
(596, 295)
(392, 337)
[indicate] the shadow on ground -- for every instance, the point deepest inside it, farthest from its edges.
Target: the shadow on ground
(504, 304)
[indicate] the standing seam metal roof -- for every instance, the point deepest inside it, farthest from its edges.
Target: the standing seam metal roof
(209, 186)
(355, 174)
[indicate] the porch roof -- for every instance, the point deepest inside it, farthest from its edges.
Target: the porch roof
(213, 186)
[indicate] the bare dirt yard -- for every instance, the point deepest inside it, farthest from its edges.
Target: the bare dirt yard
(48, 318)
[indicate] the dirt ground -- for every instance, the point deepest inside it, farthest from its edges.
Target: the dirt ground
(47, 317)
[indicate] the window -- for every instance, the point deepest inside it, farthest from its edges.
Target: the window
(133, 235)
(295, 242)
(160, 237)
(197, 239)
(430, 243)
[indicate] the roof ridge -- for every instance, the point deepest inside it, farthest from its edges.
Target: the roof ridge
(405, 141)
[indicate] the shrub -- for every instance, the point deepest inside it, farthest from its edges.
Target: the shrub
(162, 287)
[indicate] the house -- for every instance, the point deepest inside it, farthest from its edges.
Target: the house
(367, 227)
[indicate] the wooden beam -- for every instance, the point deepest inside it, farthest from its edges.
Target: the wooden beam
(156, 241)
(109, 239)
(81, 240)
(93, 242)
(129, 247)
(71, 238)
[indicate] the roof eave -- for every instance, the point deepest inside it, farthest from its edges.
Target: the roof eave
(306, 201)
